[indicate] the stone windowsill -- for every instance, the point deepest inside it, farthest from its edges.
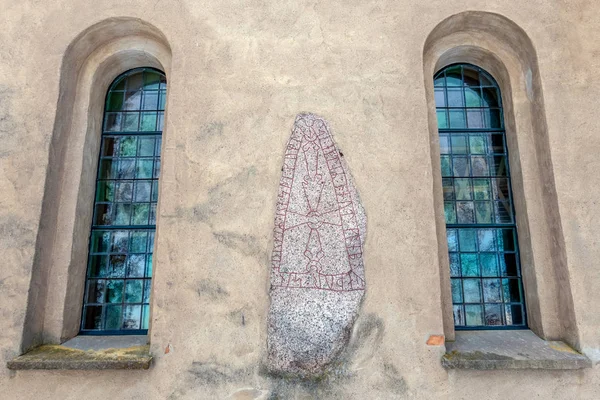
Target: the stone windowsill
(512, 349)
(88, 353)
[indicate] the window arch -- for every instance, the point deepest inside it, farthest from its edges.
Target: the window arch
(119, 272)
(485, 273)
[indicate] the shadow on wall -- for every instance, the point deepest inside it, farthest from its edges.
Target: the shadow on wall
(498, 45)
(90, 63)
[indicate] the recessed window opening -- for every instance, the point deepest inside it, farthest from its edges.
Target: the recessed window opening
(485, 271)
(119, 271)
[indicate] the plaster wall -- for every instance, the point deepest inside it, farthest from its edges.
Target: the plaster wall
(238, 73)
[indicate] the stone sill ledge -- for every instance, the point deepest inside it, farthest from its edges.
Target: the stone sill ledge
(491, 350)
(88, 353)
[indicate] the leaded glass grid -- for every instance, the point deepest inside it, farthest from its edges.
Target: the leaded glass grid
(487, 289)
(119, 272)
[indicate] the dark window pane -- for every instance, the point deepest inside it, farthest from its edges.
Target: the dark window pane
(490, 97)
(506, 240)
(92, 317)
(511, 290)
(470, 76)
(448, 188)
(508, 264)
(95, 291)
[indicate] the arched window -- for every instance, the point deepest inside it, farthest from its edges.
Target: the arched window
(487, 290)
(119, 271)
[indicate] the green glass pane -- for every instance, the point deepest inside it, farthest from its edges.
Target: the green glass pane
(467, 239)
(116, 266)
(440, 97)
(439, 80)
(147, 290)
(152, 220)
(454, 259)
(444, 144)
(483, 212)
(133, 291)
(472, 290)
(448, 189)
(454, 76)
(442, 119)
(481, 189)
(446, 166)
(140, 214)
(128, 146)
(100, 242)
(462, 188)
(465, 213)
(114, 291)
(475, 119)
(131, 122)
(136, 265)
(479, 165)
(123, 214)
(491, 291)
(113, 317)
(149, 265)
(105, 191)
(449, 212)
(138, 241)
(459, 315)
(457, 119)
(146, 316)
(154, 191)
(489, 264)
(124, 191)
(146, 148)
(477, 144)
(151, 80)
(115, 101)
(144, 168)
(142, 191)
(162, 100)
(459, 144)
(148, 122)
(455, 97)
(469, 263)
(132, 317)
(456, 291)
(486, 239)
(473, 97)
(460, 166)
(451, 234)
(473, 314)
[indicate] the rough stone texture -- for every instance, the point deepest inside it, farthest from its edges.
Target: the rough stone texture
(519, 349)
(62, 357)
(318, 275)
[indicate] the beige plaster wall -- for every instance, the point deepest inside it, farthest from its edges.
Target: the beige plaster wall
(239, 73)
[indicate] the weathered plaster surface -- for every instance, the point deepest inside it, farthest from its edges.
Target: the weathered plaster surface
(239, 73)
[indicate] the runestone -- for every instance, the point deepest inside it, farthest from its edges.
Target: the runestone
(317, 275)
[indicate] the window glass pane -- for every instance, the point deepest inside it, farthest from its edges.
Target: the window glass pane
(119, 273)
(478, 206)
